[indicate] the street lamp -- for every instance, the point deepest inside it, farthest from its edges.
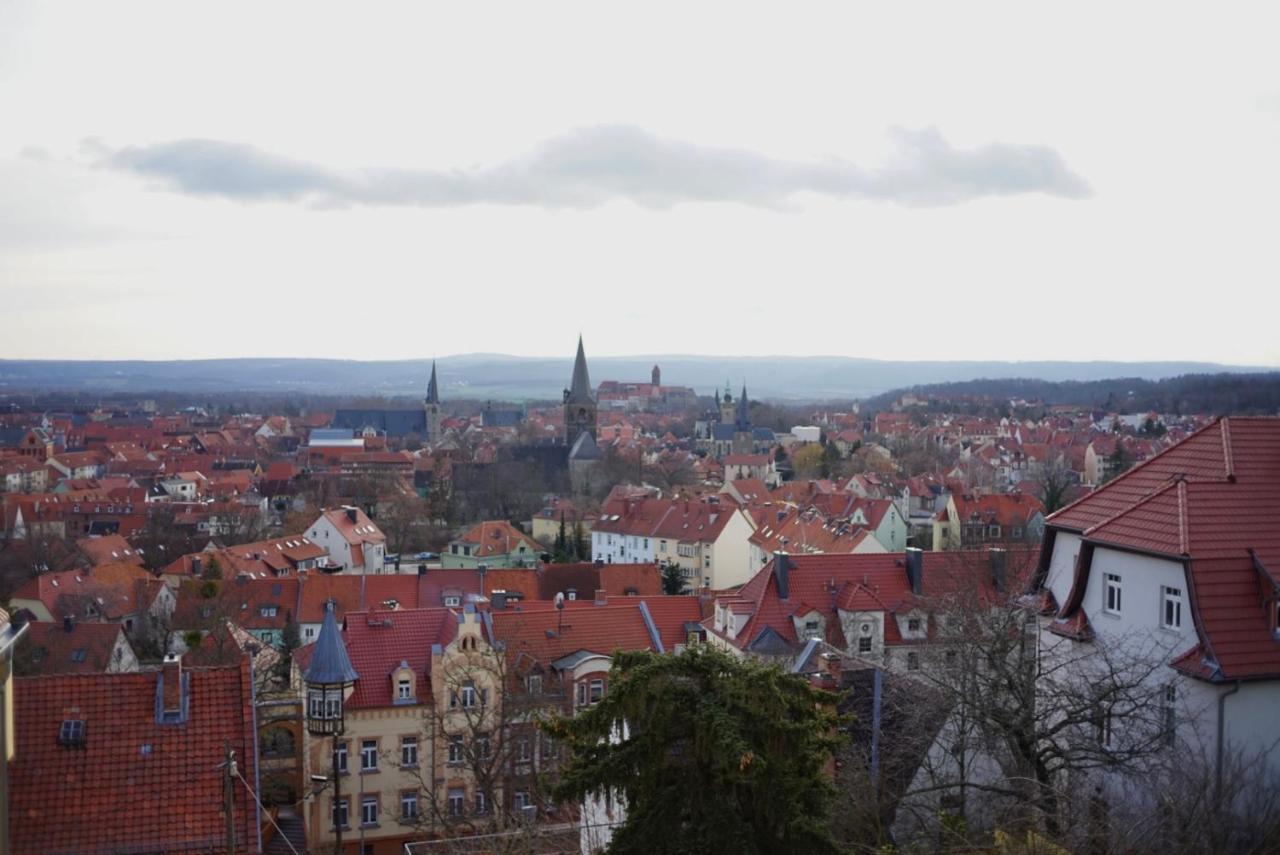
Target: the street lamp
(328, 677)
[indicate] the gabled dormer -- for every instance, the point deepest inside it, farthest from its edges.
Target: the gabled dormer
(404, 685)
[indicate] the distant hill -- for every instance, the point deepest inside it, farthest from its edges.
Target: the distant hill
(499, 377)
(1254, 393)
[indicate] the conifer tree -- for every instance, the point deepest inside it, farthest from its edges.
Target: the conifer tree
(716, 754)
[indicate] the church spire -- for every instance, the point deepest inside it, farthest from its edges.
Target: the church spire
(580, 386)
(433, 391)
(743, 415)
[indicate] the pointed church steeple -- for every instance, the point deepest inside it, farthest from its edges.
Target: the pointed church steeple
(433, 391)
(580, 385)
(579, 404)
(743, 416)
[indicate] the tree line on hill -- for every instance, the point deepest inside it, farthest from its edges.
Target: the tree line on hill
(1246, 394)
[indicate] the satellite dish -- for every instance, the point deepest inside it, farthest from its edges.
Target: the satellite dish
(560, 600)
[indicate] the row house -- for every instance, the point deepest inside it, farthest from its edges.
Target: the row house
(23, 475)
(112, 593)
(974, 520)
(707, 539)
(278, 556)
(883, 608)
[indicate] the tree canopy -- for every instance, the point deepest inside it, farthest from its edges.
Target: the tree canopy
(717, 754)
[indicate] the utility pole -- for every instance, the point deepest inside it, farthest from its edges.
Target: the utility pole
(228, 796)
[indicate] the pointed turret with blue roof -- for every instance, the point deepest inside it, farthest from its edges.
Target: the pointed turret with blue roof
(330, 664)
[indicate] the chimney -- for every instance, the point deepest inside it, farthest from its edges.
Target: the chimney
(498, 600)
(351, 514)
(68, 623)
(915, 569)
(831, 665)
(782, 574)
(997, 558)
(602, 597)
(171, 677)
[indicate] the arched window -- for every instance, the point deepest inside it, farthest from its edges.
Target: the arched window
(277, 742)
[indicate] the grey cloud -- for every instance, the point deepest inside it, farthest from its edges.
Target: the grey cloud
(591, 166)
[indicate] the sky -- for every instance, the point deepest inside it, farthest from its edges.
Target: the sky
(888, 180)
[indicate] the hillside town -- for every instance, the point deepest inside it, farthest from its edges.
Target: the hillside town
(338, 631)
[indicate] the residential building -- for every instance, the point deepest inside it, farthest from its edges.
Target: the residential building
(1178, 560)
(352, 540)
(130, 762)
(976, 520)
(74, 647)
(493, 543)
(707, 539)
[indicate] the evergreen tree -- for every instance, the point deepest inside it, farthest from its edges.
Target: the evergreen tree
(560, 553)
(581, 546)
(211, 572)
(673, 579)
(718, 754)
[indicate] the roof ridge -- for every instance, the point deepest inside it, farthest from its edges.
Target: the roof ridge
(1226, 448)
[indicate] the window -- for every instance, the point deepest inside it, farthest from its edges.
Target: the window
(408, 751)
(71, 732)
(457, 797)
(340, 813)
(913, 661)
(534, 684)
(369, 755)
(481, 805)
(268, 611)
(1170, 711)
(369, 810)
(550, 750)
(455, 749)
(597, 690)
(453, 601)
(404, 689)
(1171, 608)
(1111, 602)
(913, 624)
(482, 745)
(409, 805)
(340, 757)
(466, 696)
(864, 644)
(309, 632)
(1106, 731)
(993, 531)
(812, 629)
(520, 799)
(1017, 532)
(523, 751)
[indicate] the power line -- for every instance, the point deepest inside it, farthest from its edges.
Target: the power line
(270, 819)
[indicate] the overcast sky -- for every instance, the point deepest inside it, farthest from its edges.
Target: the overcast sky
(888, 180)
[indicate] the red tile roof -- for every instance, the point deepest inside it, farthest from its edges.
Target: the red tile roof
(499, 537)
(541, 631)
(134, 785)
(1210, 501)
(84, 649)
(378, 641)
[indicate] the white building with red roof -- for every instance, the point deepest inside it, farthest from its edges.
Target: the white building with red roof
(352, 540)
(1179, 558)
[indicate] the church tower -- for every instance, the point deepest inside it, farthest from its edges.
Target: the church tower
(726, 406)
(657, 376)
(432, 408)
(743, 439)
(579, 404)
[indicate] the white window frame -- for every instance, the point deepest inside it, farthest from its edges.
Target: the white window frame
(368, 755)
(1112, 583)
(342, 805)
(409, 806)
(367, 817)
(404, 689)
(408, 751)
(1170, 607)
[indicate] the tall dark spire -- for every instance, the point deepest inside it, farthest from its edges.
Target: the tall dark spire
(743, 416)
(580, 386)
(433, 391)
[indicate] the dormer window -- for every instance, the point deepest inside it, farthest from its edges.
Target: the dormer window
(404, 689)
(913, 624)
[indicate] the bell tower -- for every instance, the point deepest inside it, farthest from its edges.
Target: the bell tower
(579, 404)
(431, 407)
